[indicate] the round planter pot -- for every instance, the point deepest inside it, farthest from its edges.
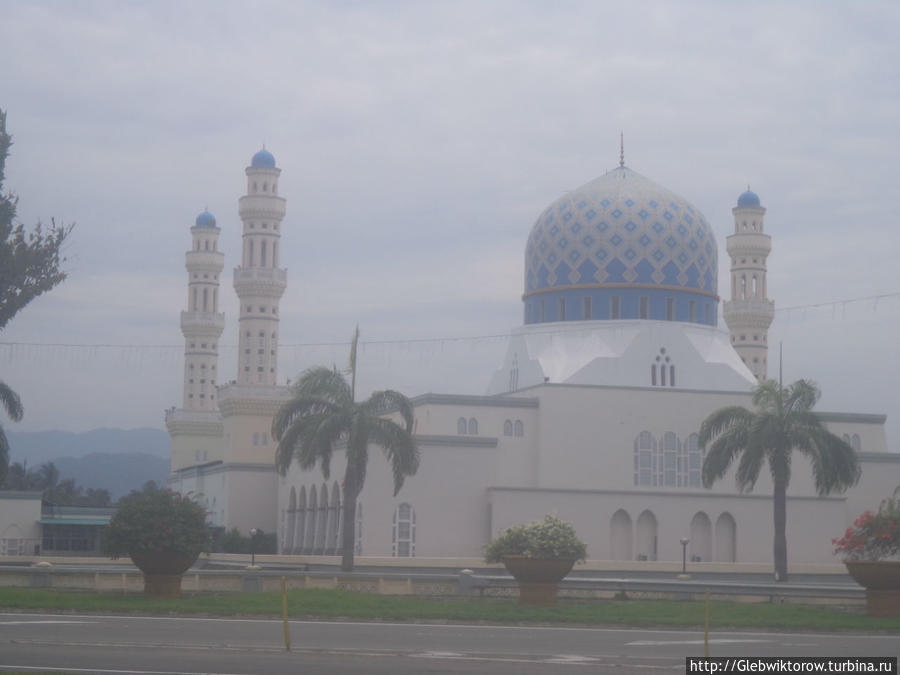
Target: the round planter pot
(538, 578)
(881, 579)
(163, 571)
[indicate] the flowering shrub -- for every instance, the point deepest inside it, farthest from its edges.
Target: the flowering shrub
(156, 521)
(874, 535)
(547, 539)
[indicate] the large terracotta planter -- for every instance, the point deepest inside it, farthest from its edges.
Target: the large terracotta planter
(163, 571)
(538, 578)
(881, 579)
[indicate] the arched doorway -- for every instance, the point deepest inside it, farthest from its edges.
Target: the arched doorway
(726, 538)
(620, 536)
(646, 536)
(301, 522)
(701, 538)
(287, 542)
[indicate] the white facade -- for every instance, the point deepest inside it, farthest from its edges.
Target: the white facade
(593, 414)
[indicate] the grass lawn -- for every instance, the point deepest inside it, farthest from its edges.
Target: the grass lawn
(334, 604)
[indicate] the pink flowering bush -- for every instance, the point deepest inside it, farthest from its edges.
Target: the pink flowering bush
(875, 535)
(158, 521)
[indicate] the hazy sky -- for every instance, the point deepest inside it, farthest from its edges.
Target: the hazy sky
(418, 143)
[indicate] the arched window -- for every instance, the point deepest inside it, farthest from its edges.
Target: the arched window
(250, 253)
(194, 308)
(461, 426)
(694, 461)
(672, 462)
(855, 442)
(205, 300)
(508, 428)
(743, 287)
(274, 254)
(754, 288)
(301, 522)
(206, 244)
(473, 426)
(519, 429)
(288, 526)
(262, 253)
(644, 459)
(321, 521)
(404, 534)
(653, 375)
(309, 539)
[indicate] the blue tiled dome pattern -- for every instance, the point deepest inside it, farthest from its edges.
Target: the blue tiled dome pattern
(621, 228)
(263, 159)
(205, 219)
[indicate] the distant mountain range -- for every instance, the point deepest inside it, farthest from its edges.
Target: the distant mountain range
(117, 460)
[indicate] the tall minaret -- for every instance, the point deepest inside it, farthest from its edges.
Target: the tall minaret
(749, 313)
(202, 323)
(258, 280)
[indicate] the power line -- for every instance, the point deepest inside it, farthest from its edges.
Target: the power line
(409, 341)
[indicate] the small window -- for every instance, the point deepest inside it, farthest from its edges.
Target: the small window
(692, 310)
(644, 307)
(508, 428)
(403, 538)
(473, 427)
(461, 426)
(562, 309)
(670, 309)
(615, 303)
(543, 311)
(519, 429)
(586, 307)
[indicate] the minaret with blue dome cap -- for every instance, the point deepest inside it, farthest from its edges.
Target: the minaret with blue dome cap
(749, 313)
(258, 280)
(202, 323)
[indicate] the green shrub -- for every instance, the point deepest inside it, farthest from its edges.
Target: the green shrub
(158, 521)
(547, 539)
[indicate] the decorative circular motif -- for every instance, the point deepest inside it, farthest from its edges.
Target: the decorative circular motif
(621, 229)
(205, 219)
(263, 159)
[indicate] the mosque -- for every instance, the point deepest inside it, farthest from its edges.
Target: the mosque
(592, 415)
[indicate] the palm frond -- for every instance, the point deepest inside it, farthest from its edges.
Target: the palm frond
(399, 447)
(4, 456)
(11, 402)
(387, 401)
(720, 420)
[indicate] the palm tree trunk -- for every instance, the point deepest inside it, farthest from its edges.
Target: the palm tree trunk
(780, 523)
(348, 535)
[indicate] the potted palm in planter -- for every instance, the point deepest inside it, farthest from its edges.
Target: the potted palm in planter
(871, 549)
(163, 533)
(538, 555)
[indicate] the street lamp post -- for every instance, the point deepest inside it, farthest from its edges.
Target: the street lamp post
(684, 543)
(253, 532)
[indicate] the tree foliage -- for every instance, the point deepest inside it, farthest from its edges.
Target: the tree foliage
(156, 521)
(30, 264)
(323, 416)
(782, 423)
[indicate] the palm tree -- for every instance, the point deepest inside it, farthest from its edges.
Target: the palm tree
(322, 415)
(783, 422)
(13, 405)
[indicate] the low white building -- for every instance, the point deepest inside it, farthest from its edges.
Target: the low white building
(593, 414)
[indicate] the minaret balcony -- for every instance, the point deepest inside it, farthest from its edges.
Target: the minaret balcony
(212, 261)
(261, 206)
(202, 323)
(265, 280)
(755, 311)
(748, 243)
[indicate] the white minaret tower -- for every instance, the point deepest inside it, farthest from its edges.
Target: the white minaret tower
(749, 313)
(202, 323)
(258, 280)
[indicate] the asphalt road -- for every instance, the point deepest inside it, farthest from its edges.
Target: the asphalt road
(157, 645)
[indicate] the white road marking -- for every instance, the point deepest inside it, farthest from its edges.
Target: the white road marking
(714, 641)
(17, 623)
(53, 669)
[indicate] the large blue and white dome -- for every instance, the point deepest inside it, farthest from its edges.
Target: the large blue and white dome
(621, 247)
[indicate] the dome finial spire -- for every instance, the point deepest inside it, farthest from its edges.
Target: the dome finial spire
(621, 148)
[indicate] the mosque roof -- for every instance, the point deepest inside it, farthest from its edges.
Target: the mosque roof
(748, 198)
(206, 219)
(263, 159)
(621, 230)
